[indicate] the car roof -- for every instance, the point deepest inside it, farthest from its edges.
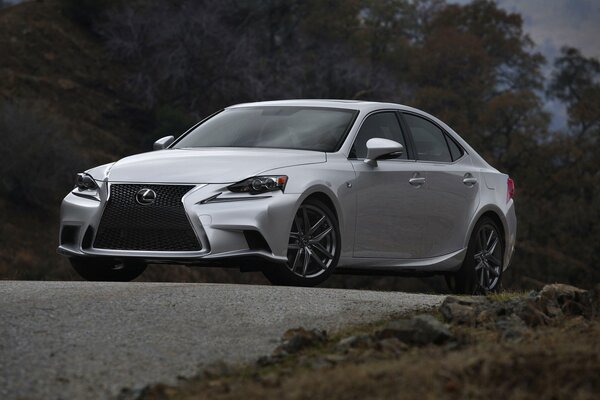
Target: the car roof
(364, 107)
(328, 103)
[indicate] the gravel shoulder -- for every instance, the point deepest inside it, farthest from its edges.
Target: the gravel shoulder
(90, 340)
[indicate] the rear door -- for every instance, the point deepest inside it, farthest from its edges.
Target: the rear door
(451, 184)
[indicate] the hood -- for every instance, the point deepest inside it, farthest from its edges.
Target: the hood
(207, 165)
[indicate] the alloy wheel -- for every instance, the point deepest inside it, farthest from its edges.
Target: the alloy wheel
(312, 242)
(488, 257)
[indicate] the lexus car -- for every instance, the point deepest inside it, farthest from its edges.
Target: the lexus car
(298, 189)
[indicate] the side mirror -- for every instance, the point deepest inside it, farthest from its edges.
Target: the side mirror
(378, 149)
(164, 142)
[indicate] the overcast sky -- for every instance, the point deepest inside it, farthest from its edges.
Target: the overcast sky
(556, 23)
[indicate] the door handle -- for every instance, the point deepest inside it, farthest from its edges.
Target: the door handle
(469, 180)
(416, 181)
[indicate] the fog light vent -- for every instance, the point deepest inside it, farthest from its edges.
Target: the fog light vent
(256, 241)
(68, 235)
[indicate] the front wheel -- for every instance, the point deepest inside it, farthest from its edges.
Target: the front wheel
(313, 247)
(481, 271)
(100, 269)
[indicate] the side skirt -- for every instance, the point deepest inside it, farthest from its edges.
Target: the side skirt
(445, 263)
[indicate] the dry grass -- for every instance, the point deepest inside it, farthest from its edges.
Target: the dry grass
(506, 295)
(561, 362)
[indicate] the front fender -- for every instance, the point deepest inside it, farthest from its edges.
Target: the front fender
(333, 180)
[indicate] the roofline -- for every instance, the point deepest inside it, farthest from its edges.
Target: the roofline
(363, 107)
(325, 103)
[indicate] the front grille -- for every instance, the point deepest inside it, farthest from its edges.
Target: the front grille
(160, 226)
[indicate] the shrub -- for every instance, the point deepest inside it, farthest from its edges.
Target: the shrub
(87, 12)
(37, 158)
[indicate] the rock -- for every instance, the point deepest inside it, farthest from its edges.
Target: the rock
(512, 327)
(334, 358)
(320, 363)
(559, 299)
(528, 309)
(294, 340)
(265, 361)
(551, 303)
(158, 391)
(216, 370)
(270, 380)
(420, 330)
(462, 310)
(355, 342)
(391, 345)
(66, 84)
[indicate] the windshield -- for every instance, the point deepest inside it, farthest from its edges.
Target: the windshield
(303, 128)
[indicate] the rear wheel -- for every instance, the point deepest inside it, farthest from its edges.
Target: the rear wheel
(313, 247)
(481, 271)
(101, 269)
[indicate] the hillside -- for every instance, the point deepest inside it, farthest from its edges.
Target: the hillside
(70, 99)
(53, 66)
(63, 74)
(58, 68)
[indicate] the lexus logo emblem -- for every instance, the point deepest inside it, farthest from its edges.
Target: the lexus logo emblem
(145, 197)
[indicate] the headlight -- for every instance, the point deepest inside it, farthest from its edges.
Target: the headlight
(260, 184)
(85, 181)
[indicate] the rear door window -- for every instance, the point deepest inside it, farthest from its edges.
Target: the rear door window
(455, 150)
(429, 140)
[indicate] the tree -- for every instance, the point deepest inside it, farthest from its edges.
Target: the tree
(576, 82)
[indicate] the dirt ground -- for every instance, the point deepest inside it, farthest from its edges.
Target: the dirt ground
(559, 359)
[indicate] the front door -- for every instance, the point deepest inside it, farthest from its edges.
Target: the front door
(391, 215)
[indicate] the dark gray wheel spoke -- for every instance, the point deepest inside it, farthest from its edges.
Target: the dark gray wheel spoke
(306, 220)
(318, 260)
(488, 262)
(321, 235)
(312, 242)
(489, 239)
(482, 239)
(297, 258)
(299, 225)
(323, 250)
(307, 256)
(316, 226)
(492, 247)
(493, 260)
(494, 272)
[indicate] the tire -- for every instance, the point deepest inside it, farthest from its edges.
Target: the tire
(481, 271)
(313, 247)
(106, 269)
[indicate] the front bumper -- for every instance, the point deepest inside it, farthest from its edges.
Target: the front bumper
(220, 219)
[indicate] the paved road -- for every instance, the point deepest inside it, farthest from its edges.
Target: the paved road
(63, 340)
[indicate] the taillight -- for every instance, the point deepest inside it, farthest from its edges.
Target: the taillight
(510, 193)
